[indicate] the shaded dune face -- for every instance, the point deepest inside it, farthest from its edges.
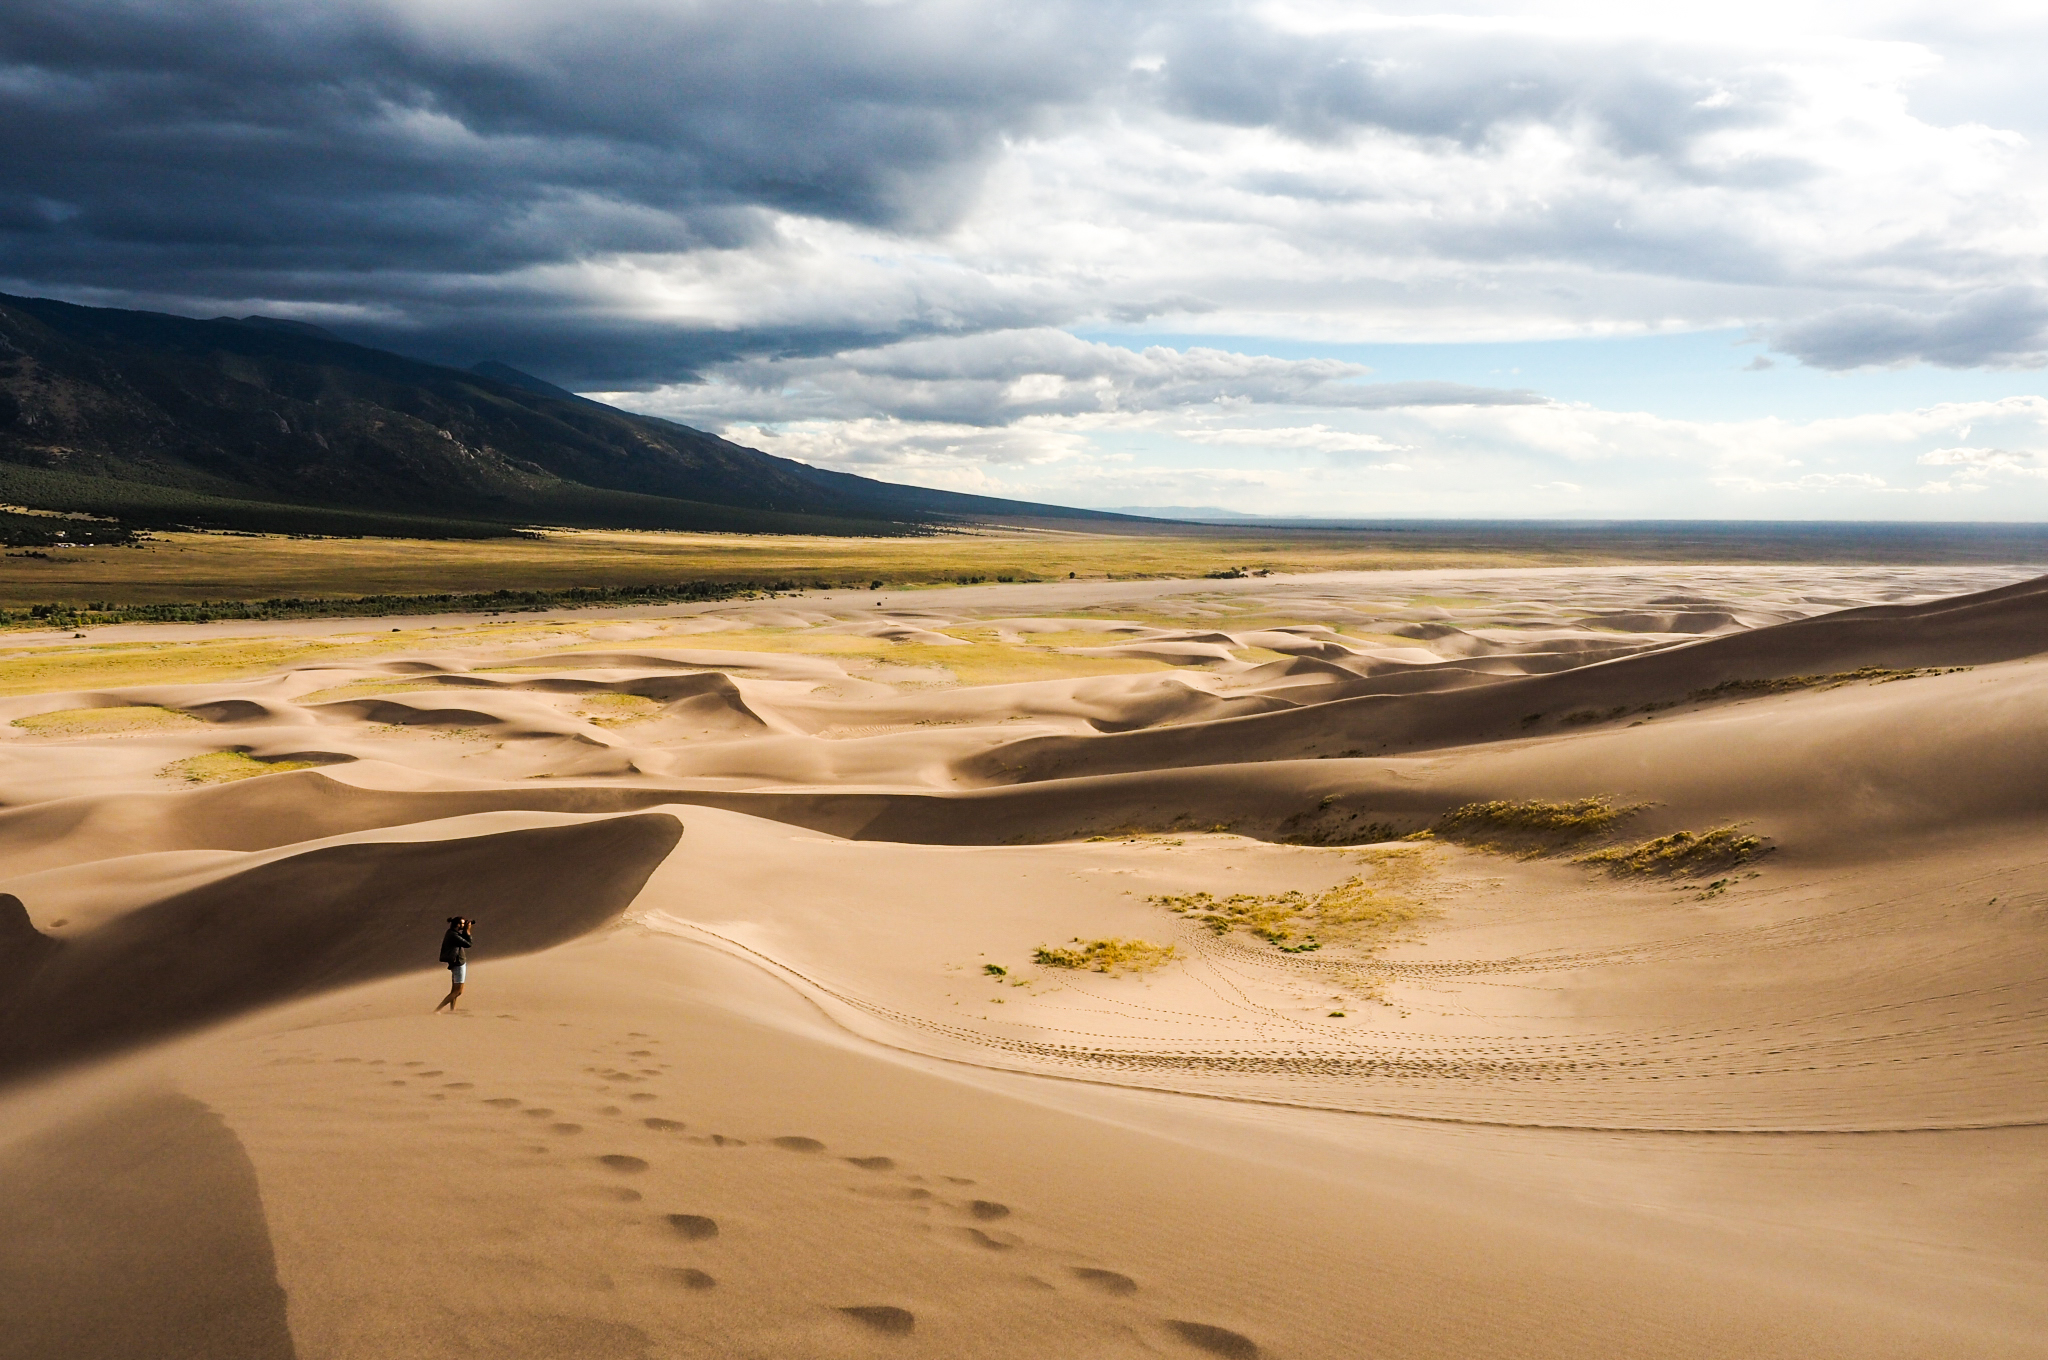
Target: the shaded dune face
(328, 918)
(138, 1230)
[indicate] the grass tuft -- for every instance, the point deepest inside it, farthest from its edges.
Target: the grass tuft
(97, 722)
(223, 767)
(1107, 956)
(1355, 912)
(607, 709)
(1531, 827)
(1833, 680)
(1682, 854)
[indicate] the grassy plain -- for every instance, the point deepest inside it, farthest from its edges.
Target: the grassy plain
(179, 567)
(90, 665)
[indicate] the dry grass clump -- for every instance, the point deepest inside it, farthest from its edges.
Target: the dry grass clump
(1107, 956)
(1832, 680)
(606, 709)
(103, 722)
(1327, 824)
(1357, 912)
(1682, 854)
(1530, 827)
(222, 767)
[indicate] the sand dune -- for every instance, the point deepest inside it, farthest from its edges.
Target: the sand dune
(811, 1080)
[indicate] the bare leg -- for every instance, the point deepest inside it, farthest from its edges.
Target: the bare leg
(448, 1001)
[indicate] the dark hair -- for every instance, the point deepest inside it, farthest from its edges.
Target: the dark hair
(453, 920)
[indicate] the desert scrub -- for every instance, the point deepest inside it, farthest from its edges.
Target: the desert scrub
(1682, 854)
(1532, 827)
(222, 767)
(617, 710)
(103, 722)
(1107, 956)
(1369, 915)
(1832, 680)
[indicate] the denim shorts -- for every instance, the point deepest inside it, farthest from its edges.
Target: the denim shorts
(458, 972)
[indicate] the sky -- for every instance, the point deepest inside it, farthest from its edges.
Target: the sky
(1585, 261)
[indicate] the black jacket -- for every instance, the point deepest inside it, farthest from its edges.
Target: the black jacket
(455, 946)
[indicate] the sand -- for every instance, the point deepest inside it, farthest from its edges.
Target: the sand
(766, 1052)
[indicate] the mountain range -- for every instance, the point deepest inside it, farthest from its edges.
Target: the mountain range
(260, 424)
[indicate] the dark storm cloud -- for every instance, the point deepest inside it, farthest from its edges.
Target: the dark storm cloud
(1995, 328)
(226, 145)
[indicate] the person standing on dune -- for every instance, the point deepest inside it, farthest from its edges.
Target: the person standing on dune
(455, 953)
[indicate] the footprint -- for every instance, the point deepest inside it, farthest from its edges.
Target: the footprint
(664, 1125)
(643, 1095)
(958, 1180)
(619, 1193)
(982, 1239)
(619, 1161)
(694, 1227)
(874, 1163)
(437, 1072)
(988, 1208)
(566, 1128)
(692, 1279)
(1216, 1340)
(538, 1112)
(641, 1053)
(502, 1102)
(720, 1140)
(399, 1081)
(611, 1109)
(884, 1318)
(458, 1085)
(795, 1144)
(1108, 1281)
(901, 1192)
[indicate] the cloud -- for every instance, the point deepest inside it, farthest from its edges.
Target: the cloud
(1006, 376)
(1483, 461)
(1320, 438)
(1995, 327)
(1811, 482)
(621, 194)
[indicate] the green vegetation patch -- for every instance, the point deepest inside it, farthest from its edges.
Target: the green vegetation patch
(1682, 854)
(222, 767)
(1368, 915)
(1107, 956)
(103, 722)
(1530, 827)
